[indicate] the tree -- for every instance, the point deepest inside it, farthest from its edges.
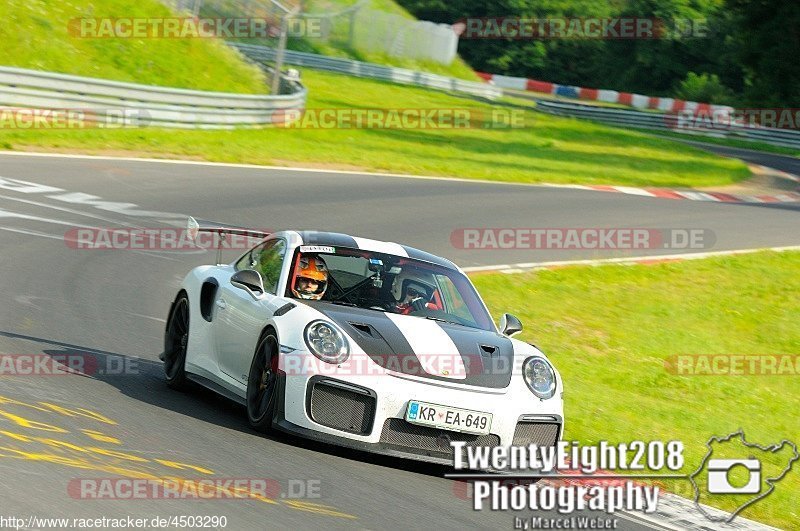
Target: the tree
(749, 46)
(768, 48)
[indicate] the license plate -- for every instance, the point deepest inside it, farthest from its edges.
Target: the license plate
(448, 418)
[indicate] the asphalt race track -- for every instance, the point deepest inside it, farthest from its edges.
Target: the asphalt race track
(111, 304)
(778, 162)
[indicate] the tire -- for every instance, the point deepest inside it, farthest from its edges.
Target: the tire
(262, 384)
(176, 338)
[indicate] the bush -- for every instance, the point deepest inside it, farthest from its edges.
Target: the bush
(704, 88)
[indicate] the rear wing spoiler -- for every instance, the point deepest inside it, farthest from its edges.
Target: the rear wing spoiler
(195, 226)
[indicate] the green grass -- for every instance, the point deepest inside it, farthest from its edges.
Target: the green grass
(547, 149)
(517, 97)
(610, 329)
(35, 35)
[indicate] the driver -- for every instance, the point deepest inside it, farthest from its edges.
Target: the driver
(310, 278)
(410, 293)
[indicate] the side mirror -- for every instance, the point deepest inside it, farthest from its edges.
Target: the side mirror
(248, 279)
(510, 325)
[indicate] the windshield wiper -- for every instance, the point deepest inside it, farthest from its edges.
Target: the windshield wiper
(353, 305)
(342, 303)
(432, 318)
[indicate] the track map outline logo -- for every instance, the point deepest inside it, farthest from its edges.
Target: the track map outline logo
(722, 485)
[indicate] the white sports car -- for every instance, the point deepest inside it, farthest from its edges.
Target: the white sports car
(361, 343)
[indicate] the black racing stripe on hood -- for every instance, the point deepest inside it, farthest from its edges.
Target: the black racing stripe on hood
(387, 346)
(376, 334)
(484, 367)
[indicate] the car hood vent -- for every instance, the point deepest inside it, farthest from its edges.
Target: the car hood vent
(364, 329)
(489, 350)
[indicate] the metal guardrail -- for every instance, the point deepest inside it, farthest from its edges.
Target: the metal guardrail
(372, 71)
(113, 103)
(673, 122)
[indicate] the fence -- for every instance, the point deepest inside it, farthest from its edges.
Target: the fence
(357, 26)
(373, 71)
(396, 36)
(129, 104)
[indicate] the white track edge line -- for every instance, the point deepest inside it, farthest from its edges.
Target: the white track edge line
(521, 267)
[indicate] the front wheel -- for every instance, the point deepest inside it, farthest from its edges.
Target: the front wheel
(176, 340)
(262, 384)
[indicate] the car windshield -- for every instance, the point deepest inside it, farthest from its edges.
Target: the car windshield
(389, 283)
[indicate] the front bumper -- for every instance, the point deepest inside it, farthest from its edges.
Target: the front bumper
(376, 421)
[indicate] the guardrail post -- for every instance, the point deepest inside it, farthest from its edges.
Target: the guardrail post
(351, 36)
(276, 74)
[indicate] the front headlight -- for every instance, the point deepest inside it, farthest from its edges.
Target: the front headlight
(540, 377)
(326, 342)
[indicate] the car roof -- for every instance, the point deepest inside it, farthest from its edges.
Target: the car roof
(337, 239)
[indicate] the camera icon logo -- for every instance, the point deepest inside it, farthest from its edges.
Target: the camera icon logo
(719, 481)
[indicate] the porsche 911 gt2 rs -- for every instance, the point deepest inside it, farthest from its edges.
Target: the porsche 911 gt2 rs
(360, 343)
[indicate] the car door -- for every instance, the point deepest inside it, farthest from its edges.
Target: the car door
(241, 314)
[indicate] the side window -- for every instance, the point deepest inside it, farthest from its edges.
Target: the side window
(267, 259)
(453, 302)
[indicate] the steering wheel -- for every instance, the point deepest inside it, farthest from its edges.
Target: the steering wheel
(376, 304)
(418, 304)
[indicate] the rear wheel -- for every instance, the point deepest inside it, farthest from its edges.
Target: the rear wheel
(262, 384)
(176, 340)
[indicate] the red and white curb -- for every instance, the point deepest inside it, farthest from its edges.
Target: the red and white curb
(683, 514)
(674, 512)
(696, 195)
(639, 101)
(628, 260)
(692, 195)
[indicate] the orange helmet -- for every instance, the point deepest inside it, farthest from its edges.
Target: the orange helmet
(310, 271)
